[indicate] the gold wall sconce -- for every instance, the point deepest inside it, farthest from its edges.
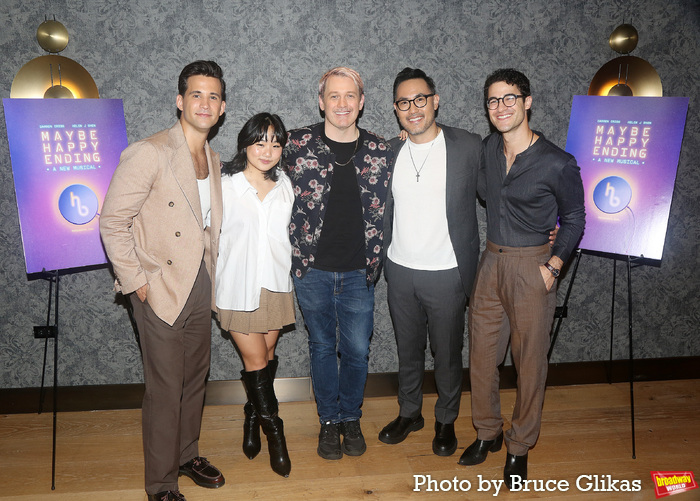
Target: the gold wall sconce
(53, 76)
(626, 75)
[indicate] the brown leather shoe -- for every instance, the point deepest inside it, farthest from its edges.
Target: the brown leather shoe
(203, 473)
(167, 496)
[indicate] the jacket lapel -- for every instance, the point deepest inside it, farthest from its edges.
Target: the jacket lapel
(451, 168)
(215, 189)
(183, 171)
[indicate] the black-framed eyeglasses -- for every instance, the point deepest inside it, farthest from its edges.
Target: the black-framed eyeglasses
(509, 101)
(419, 101)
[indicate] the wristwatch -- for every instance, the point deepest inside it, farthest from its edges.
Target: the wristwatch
(555, 272)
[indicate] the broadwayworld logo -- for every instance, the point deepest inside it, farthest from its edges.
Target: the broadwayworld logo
(672, 482)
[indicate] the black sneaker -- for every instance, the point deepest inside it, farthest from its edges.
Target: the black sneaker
(353, 441)
(329, 442)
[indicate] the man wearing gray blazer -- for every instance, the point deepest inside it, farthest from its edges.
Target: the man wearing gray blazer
(160, 226)
(432, 249)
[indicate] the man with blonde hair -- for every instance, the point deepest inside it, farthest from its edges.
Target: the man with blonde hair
(340, 175)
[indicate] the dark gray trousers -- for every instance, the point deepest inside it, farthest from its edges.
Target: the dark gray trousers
(427, 304)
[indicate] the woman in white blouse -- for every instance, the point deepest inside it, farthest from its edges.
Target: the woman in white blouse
(253, 283)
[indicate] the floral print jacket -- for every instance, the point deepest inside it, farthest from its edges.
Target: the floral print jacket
(309, 163)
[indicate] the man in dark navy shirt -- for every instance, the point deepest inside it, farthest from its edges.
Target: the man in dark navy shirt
(529, 184)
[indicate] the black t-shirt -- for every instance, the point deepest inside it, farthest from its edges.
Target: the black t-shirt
(341, 246)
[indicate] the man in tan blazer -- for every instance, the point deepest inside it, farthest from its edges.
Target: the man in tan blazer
(160, 226)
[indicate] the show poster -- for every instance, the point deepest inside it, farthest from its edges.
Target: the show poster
(63, 152)
(628, 150)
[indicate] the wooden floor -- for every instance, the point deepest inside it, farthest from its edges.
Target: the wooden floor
(585, 432)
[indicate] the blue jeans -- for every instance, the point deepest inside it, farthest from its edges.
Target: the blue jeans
(337, 303)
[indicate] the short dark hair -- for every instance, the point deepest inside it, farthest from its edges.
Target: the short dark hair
(254, 130)
(410, 74)
(204, 68)
(509, 76)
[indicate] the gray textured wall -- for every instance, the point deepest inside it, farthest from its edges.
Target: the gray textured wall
(273, 54)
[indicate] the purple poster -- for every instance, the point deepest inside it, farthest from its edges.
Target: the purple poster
(628, 149)
(64, 152)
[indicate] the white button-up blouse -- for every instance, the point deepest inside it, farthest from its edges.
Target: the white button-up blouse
(254, 247)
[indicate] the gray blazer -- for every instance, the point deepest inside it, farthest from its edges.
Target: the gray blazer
(464, 157)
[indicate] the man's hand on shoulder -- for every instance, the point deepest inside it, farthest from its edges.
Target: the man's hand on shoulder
(553, 235)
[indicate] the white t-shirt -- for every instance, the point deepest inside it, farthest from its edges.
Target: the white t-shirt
(420, 238)
(254, 247)
(205, 200)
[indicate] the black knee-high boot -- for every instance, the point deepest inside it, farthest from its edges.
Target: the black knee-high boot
(251, 428)
(251, 424)
(262, 395)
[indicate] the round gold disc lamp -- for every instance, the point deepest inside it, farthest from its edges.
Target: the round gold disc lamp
(624, 39)
(53, 76)
(626, 75)
(52, 36)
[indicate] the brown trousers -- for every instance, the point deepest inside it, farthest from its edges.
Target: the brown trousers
(175, 366)
(510, 302)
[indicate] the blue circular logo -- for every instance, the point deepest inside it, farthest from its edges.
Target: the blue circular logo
(612, 194)
(78, 204)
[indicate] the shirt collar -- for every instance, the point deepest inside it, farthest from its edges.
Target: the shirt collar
(240, 184)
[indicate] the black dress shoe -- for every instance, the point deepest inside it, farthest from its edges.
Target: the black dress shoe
(397, 431)
(203, 473)
(167, 496)
(477, 452)
(516, 466)
(445, 441)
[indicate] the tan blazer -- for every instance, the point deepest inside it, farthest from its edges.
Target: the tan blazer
(151, 221)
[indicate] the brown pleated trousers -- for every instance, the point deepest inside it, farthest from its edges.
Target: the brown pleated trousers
(175, 366)
(510, 302)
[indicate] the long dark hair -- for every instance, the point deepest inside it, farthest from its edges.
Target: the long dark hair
(254, 130)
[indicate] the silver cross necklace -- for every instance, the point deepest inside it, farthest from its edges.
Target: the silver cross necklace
(418, 171)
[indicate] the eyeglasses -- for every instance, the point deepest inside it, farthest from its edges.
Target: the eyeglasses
(508, 101)
(420, 101)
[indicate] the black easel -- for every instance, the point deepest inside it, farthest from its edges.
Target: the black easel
(631, 352)
(562, 311)
(50, 331)
(630, 260)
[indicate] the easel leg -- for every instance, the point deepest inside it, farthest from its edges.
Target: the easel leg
(563, 309)
(612, 320)
(46, 347)
(631, 352)
(50, 331)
